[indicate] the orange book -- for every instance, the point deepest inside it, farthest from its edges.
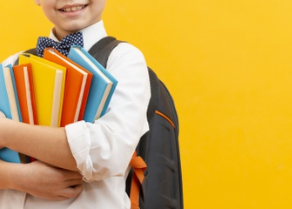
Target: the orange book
(77, 86)
(26, 97)
(25, 89)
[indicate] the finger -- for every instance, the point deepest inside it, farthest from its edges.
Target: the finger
(73, 183)
(71, 175)
(58, 198)
(71, 192)
(74, 175)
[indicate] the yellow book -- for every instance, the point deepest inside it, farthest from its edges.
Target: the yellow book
(49, 85)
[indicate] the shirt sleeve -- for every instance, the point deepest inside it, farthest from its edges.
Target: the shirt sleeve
(104, 148)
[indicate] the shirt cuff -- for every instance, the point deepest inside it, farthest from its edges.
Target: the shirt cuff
(78, 136)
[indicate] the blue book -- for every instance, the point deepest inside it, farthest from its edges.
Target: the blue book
(102, 86)
(9, 105)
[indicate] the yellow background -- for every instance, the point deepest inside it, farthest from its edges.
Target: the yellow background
(228, 66)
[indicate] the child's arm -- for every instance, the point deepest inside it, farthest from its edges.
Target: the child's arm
(46, 144)
(104, 148)
(40, 180)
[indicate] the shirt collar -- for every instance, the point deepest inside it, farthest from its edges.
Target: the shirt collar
(91, 34)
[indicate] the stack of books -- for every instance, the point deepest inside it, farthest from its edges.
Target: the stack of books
(54, 91)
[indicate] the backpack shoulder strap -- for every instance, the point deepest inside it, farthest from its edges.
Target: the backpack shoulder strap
(103, 48)
(101, 51)
(31, 51)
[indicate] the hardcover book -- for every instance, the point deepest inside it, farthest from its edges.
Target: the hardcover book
(25, 92)
(9, 105)
(49, 82)
(77, 85)
(102, 86)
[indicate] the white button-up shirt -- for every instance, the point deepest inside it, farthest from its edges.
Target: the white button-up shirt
(104, 148)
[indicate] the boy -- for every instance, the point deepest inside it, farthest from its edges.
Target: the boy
(83, 165)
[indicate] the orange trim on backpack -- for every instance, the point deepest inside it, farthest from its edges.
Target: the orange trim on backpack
(165, 117)
(139, 167)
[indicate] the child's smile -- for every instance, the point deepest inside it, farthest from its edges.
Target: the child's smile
(70, 16)
(73, 8)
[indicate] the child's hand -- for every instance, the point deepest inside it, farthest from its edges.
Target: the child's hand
(44, 181)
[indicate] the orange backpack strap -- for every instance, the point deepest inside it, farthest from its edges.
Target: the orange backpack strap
(139, 167)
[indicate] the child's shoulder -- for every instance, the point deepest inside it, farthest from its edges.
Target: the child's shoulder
(127, 51)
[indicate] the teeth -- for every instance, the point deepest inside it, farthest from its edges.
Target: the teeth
(73, 9)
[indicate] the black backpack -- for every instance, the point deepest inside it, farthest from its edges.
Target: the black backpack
(159, 147)
(162, 187)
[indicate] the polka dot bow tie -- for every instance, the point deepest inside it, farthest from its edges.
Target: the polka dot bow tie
(63, 46)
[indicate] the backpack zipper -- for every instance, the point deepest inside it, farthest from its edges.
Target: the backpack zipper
(165, 117)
